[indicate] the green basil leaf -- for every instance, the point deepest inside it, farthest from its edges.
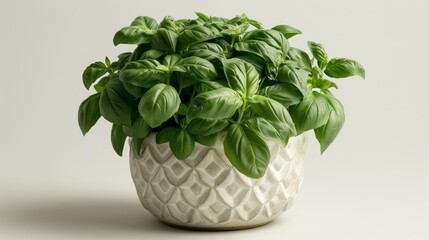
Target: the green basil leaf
(246, 151)
(118, 138)
(138, 52)
(287, 31)
(273, 38)
(208, 141)
(146, 22)
(235, 30)
(92, 73)
(266, 130)
(205, 86)
(89, 113)
(137, 92)
(291, 73)
(272, 111)
(301, 58)
(152, 54)
(272, 71)
(311, 113)
(257, 62)
(183, 109)
(159, 104)
(169, 24)
(216, 104)
(182, 145)
(323, 84)
(197, 69)
(165, 40)
(137, 145)
(241, 76)
(139, 129)
(132, 35)
(202, 16)
(205, 127)
(261, 49)
(143, 73)
(212, 52)
(319, 53)
(193, 35)
(99, 87)
(285, 93)
(343, 67)
(255, 23)
(171, 60)
(327, 133)
(166, 134)
(116, 102)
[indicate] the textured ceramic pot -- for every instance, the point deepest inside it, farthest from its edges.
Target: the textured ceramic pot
(206, 192)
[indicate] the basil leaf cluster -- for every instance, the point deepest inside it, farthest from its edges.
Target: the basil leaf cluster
(195, 80)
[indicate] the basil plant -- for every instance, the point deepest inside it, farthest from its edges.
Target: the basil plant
(196, 80)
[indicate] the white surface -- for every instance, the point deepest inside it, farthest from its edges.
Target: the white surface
(56, 184)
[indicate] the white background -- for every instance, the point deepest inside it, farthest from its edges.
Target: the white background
(56, 184)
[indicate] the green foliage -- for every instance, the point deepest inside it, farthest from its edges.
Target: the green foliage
(189, 80)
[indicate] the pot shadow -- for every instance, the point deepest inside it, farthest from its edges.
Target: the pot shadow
(84, 216)
(96, 216)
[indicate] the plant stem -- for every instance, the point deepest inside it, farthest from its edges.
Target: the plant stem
(241, 111)
(168, 78)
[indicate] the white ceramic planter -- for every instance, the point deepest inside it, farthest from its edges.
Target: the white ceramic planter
(206, 192)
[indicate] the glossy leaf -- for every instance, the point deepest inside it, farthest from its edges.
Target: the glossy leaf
(285, 93)
(207, 50)
(327, 133)
(272, 111)
(146, 22)
(142, 73)
(313, 112)
(137, 145)
(261, 49)
(209, 140)
(216, 104)
(92, 73)
(246, 151)
(318, 52)
(287, 31)
(170, 24)
(139, 129)
(266, 130)
(132, 35)
(196, 69)
(202, 16)
(205, 127)
(159, 104)
(272, 38)
(118, 137)
(205, 86)
(241, 76)
(182, 145)
(164, 40)
(166, 134)
(115, 103)
(291, 73)
(301, 58)
(89, 113)
(257, 62)
(194, 35)
(152, 54)
(171, 60)
(343, 67)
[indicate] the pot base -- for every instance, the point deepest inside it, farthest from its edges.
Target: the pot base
(214, 228)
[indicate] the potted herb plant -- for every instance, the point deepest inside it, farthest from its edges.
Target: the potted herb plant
(215, 110)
